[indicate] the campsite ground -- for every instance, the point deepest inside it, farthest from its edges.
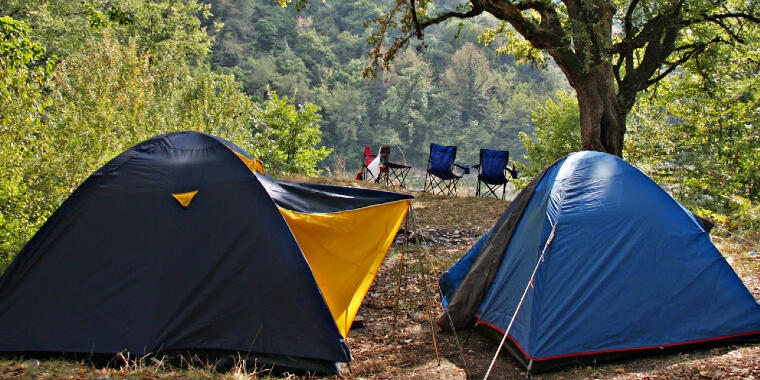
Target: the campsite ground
(448, 227)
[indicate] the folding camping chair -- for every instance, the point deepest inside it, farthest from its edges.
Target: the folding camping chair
(365, 174)
(391, 173)
(440, 169)
(492, 172)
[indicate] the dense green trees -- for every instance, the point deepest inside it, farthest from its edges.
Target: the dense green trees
(123, 72)
(609, 50)
(82, 81)
(319, 55)
(698, 135)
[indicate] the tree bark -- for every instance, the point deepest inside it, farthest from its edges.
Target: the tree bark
(592, 75)
(602, 117)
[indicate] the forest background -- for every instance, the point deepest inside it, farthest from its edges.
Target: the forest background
(83, 81)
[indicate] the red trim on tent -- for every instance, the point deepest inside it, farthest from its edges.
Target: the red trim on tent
(480, 322)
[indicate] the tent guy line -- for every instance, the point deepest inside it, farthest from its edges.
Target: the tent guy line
(519, 305)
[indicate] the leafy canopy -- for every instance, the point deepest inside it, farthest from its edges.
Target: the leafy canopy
(284, 136)
(126, 71)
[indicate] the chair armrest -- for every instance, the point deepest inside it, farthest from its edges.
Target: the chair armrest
(465, 168)
(513, 172)
(396, 165)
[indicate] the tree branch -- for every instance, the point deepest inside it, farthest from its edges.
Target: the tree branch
(547, 35)
(419, 26)
(628, 22)
(537, 5)
(693, 51)
(706, 17)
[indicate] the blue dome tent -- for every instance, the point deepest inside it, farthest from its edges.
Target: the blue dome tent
(624, 268)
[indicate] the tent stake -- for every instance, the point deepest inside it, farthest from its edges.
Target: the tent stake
(519, 304)
(401, 268)
(422, 257)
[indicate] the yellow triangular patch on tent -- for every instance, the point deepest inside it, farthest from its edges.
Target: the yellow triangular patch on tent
(185, 198)
(345, 250)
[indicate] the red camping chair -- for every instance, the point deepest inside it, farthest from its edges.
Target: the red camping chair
(366, 160)
(365, 174)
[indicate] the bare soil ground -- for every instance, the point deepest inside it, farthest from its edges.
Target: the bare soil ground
(383, 349)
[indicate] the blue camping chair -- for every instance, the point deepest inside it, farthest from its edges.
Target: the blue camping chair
(440, 169)
(492, 172)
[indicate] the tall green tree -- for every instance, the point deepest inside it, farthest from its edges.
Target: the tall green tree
(285, 136)
(700, 137)
(468, 80)
(609, 50)
(556, 134)
(405, 107)
(163, 27)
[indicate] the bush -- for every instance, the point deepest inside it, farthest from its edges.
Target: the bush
(285, 136)
(557, 133)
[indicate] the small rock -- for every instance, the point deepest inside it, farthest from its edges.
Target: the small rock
(31, 364)
(358, 322)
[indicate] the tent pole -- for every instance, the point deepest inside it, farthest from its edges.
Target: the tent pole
(401, 268)
(422, 276)
(514, 316)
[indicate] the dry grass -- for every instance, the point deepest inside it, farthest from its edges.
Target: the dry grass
(448, 226)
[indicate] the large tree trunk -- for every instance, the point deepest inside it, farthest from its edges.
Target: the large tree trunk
(602, 117)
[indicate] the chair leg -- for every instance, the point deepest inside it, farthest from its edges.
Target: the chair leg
(439, 184)
(452, 186)
(404, 173)
(477, 189)
(491, 190)
(503, 190)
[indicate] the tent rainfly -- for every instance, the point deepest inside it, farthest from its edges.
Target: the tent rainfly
(625, 268)
(180, 244)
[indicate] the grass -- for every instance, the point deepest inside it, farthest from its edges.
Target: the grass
(382, 350)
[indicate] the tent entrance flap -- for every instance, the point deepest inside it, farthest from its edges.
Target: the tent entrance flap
(345, 250)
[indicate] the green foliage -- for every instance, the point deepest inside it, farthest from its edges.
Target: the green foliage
(162, 27)
(512, 43)
(135, 74)
(556, 134)
(699, 138)
(285, 136)
(23, 100)
(406, 104)
(102, 101)
(318, 55)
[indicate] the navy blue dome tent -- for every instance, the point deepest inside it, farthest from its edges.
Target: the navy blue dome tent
(174, 246)
(625, 268)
